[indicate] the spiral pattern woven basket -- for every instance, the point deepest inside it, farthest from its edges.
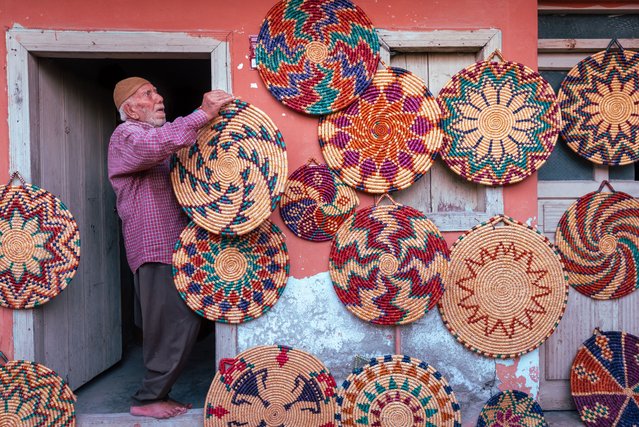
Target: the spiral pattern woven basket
(388, 264)
(32, 395)
(598, 239)
(500, 122)
(599, 104)
(315, 202)
(272, 386)
(39, 246)
(231, 279)
(604, 380)
(231, 179)
(316, 56)
(388, 138)
(511, 408)
(506, 289)
(397, 390)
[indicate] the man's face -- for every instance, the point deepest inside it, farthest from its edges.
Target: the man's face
(148, 105)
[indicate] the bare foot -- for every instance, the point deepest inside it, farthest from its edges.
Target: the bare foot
(180, 404)
(159, 410)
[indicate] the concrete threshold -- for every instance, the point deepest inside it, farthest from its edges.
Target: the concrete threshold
(194, 417)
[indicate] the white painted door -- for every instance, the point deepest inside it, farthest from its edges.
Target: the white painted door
(78, 333)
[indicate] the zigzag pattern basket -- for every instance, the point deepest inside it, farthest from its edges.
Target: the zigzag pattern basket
(39, 246)
(315, 202)
(598, 239)
(397, 391)
(599, 104)
(511, 408)
(604, 380)
(500, 120)
(388, 264)
(32, 395)
(388, 138)
(231, 279)
(232, 178)
(271, 386)
(316, 56)
(506, 289)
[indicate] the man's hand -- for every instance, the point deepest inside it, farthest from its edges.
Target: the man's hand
(214, 100)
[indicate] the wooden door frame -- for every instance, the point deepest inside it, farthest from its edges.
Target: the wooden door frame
(482, 42)
(25, 44)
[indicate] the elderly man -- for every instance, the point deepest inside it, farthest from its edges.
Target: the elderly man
(152, 220)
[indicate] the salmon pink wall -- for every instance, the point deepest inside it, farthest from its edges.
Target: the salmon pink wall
(517, 19)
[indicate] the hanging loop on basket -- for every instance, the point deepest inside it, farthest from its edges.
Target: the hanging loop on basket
(377, 202)
(606, 183)
(312, 160)
(3, 359)
(614, 45)
(226, 365)
(497, 53)
(596, 331)
(16, 175)
(501, 219)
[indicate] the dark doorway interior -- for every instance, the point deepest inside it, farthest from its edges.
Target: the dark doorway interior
(181, 82)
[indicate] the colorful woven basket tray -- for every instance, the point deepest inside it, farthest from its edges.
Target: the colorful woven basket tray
(599, 104)
(39, 246)
(315, 203)
(604, 380)
(230, 279)
(231, 179)
(388, 138)
(506, 289)
(33, 395)
(511, 408)
(598, 239)
(272, 386)
(316, 56)
(500, 120)
(388, 264)
(393, 391)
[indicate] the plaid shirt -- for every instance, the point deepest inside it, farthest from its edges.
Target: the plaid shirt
(138, 164)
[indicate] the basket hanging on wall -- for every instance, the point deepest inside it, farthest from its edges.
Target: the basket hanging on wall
(511, 408)
(32, 395)
(604, 380)
(397, 390)
(388, 264)
(231, 179)
(500, 122)
(506, 289)
(388, 138)
(316, 56)
(599, 103)
(231, 279)
(271, 386)
(315, 202)
(598, 239)
(39, 245)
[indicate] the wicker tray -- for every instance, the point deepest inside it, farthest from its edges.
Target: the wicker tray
(33, 395)
(506, 289)
(500, 120)
(604, 380)
(316, 56)
(388, 138)
(271, 386)
(39, 245)
(397, 391)
(231, 279)
(599, 105)
(315, 202)
(231, 179)
(388, 264)
(598, 239)
(511, 408)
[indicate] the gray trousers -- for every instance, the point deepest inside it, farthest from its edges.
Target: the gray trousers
(169, 330)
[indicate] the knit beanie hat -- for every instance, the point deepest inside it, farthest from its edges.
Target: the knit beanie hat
(125, 88)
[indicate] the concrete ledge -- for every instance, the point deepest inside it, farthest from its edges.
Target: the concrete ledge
(194, 417)
(562, 418)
